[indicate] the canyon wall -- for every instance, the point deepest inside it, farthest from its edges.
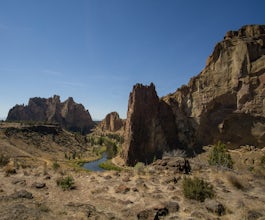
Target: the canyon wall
(225, 102)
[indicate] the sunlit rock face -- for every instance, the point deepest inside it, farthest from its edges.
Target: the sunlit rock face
(150, 128)
(111, 123)
(226, 101)
(68, 114)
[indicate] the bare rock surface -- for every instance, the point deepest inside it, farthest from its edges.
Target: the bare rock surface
(111, 123)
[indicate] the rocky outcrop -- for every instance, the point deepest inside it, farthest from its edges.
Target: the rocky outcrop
(150, 127)
(226, 101)
(68, 114)
(111, 123)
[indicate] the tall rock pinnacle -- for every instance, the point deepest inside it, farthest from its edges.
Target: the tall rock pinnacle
(149, 128)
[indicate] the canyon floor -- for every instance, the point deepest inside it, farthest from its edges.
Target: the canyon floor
(29, 184)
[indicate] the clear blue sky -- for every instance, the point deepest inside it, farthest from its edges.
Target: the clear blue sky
(96, 50)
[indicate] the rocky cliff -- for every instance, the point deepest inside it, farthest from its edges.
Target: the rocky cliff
(111, 123)
(68, 114)
(149, 128)
(226, 100)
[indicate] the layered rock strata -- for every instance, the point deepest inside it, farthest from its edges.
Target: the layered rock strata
(68, 114)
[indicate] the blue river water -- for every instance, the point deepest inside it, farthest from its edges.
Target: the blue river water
(94, 165)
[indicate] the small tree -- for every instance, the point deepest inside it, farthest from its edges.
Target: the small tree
(219, 156)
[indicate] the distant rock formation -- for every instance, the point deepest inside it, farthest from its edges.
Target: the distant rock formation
(68, 114)
(226, 101)
(150, 127)
(111, 123)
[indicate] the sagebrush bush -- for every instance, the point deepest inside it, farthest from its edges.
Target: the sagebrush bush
(219, 156)
(66, 183)
(55, 165)
(197, 189)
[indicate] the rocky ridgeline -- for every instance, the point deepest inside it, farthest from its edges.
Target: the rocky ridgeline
(68, 114)
(111, 123)
(226, 102)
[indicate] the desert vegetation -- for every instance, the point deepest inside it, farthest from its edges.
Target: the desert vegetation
(66, 183)
(219, 156)
(197, 189)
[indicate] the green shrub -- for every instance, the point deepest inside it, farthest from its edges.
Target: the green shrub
(219, 156)
(197, 189)
(55, 165)
(66, 183)
(108, 165)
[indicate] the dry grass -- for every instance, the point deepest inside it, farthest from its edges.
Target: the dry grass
(236, 182)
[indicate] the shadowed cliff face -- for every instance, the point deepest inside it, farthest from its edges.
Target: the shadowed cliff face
(149, 128)
(226, 100)
(68, 114)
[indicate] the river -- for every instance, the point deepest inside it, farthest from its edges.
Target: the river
(94, 165)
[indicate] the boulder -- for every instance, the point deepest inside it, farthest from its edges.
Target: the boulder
(22, 194)
(38, 185)
(214, 207)
(122, 189)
